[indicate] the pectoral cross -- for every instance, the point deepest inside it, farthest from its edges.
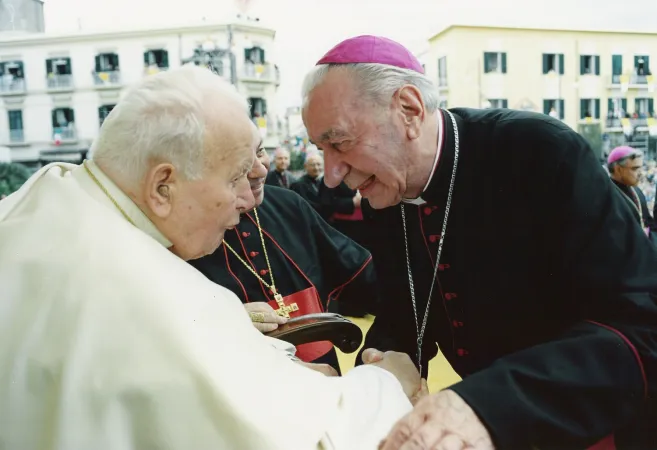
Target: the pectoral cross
(284, 310)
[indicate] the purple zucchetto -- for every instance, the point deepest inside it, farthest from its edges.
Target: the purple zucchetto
(620, 153)
(369, 49)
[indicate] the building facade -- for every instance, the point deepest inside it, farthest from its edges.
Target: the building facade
(56, 90)
(600, 81)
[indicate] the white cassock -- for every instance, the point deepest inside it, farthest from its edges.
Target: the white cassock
(108, 341)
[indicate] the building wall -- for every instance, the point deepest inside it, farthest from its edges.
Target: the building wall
(524, 84)
(85, 98)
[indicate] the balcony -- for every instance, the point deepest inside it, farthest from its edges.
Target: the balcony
(12, 86)
(110, 79)
(16, 136)
(632, 81)
(64, 134)
(613, 122)
(59, 82)
(264, 73)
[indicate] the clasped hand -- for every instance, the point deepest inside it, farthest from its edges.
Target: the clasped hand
(442, 421)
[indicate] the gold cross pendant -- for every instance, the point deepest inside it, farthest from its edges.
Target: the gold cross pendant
(283, 310)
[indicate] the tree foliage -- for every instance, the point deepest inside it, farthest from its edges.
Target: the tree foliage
(12, 177)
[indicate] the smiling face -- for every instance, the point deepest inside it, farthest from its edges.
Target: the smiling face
(364, 143)
(258, 173)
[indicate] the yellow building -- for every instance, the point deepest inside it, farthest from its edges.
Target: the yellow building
(584, 77)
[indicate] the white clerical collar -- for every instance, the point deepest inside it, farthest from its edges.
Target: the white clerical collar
(135, 214)
(441, 135)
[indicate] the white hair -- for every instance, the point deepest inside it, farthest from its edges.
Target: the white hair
(163, 118)
(376, 81)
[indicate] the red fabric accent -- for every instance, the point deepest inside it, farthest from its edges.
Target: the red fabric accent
(353, 217)
(607, 443)
(341, 287)
(427, 211)
(253, 254)
(265, 290)
(246, 234)
(308, 303)
(634, 350)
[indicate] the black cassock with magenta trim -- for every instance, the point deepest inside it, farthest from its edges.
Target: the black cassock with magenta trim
(316, 268)
(545, 300)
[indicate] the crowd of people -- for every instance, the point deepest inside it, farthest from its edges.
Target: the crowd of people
(139, 288)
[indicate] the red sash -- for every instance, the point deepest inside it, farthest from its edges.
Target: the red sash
(299, 304)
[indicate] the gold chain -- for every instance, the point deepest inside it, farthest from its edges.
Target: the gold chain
(102, 188)
(271, 286)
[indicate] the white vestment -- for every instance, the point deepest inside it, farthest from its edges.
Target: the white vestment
(108, 341)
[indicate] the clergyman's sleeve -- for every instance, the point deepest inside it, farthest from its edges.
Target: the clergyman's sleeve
(575, 389)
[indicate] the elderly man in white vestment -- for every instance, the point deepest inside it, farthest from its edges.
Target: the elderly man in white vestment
(109, 340)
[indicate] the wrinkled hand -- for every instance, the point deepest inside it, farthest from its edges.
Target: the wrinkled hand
(263, 316)
(421, 393)
(321, 368)
(400, 365)
(442, 421)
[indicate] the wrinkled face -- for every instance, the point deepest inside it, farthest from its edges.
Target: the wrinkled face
(363, 142)
(630, 173)
(258, 173)
(195, 214)
(281, 160)
(313, 166)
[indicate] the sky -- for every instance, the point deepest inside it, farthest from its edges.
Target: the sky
(306, 29)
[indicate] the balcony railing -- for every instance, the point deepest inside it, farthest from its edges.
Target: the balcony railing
(12, 85)
(64, 81)
(261, 72)
(112, 78)
(16, 136)
(630, 79)
(613, 123)
(64, 133)
(154, 69)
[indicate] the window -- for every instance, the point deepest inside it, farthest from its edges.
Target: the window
(63, 123)
(617, 65)
(589, 108)
(498, 103)
(494, 62)
(553, 62)
(103, 112)
(616, 108)
(59, 73)
(255, 55)
(58, 66)
(644, 107)
(13, 69)
(589, 65)
(156, 58)
(442, 71)
(258, 107)
(107, 62)
(15, 126)
(642, 65)
(554, 108)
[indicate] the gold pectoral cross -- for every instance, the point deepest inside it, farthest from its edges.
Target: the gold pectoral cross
(284, 310)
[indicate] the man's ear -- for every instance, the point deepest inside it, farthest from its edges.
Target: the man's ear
(411, 107)
(160, 187)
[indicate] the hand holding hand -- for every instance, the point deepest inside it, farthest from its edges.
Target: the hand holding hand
(399, 364)
(440, 421)
(263, 316)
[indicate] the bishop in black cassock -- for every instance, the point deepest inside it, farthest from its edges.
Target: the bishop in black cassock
(306, 256)
(545, 292)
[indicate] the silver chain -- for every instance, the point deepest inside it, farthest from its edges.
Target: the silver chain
(420, 331)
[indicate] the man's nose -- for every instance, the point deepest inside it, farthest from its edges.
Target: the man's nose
(245, 199)
(334, 169)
